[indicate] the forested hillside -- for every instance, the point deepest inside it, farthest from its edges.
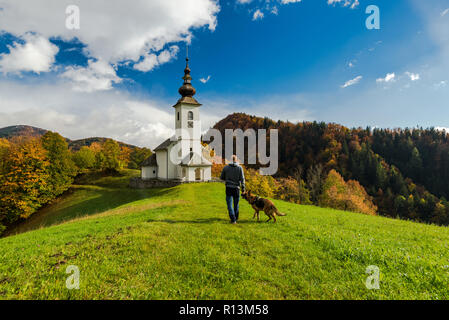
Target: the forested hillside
(36, 169)
(21, 130)
(405, 171)
(137, 154)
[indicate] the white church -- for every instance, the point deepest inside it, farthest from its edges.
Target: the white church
(182, 157)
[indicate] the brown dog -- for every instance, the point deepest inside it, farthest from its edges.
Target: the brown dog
(260, 204)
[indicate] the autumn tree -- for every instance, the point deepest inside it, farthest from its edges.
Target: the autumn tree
(335, 192)
(217, 168)
(84, 158)
(303, 196)
(304, 193)
(350, 196)
(124, 157)
(24, 183)
(4, 148)
(61, 169)
(315, 178)
(290, 190)
(263, 186)
(137, 156)
(111, 156)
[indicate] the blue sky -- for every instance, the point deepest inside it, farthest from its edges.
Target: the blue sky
(289, 60)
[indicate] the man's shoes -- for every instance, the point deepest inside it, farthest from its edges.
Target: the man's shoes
(233, 222)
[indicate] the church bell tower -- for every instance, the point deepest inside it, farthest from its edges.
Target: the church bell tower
(187, 117)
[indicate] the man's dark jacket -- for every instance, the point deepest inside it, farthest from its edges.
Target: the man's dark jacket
(233, 175)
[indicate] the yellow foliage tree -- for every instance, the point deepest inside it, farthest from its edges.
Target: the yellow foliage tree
(125, 155)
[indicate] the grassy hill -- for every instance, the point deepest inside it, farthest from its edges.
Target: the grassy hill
(177, 244)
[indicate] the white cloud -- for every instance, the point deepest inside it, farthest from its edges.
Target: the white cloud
(97, 76)
(258, 15)
(445, 12)
(390, 77)
(291, 107)
(352, 82)
(111, 36)
(205, 80)
(413, 76)
(346, 3)
(352, 63)
(37, 55)
(112, 114)
(355, 4)
(151, 60)
(270, 6)
(445, 129)
(441, 84)
(290, 1)
(123, 116)
(110, 32)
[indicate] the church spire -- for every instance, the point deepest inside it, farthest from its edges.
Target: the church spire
(187, 90)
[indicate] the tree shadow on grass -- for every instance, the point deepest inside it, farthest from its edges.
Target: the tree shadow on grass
(199, 221)
(83, 201)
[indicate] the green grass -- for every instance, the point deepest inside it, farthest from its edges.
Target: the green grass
(177, 244)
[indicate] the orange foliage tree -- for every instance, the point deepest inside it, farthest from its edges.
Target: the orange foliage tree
(24, 180)
(349, 196)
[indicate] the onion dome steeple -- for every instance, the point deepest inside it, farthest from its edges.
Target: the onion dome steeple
(187, 91)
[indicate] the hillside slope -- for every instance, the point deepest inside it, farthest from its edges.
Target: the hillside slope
(177, 244)
(21, 130)
(75, 145)
(405, 171)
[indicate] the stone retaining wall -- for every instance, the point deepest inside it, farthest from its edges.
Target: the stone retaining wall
(139, 183)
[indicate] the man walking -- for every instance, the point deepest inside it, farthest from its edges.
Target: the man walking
(234, 177)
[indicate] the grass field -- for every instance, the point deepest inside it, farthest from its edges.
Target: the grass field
(177, 244)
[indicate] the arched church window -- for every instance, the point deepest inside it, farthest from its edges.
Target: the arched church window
(178, 116)
(190, 115)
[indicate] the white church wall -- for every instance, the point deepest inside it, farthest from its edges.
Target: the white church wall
(207, 174)
(179, 172)
(172, 166)
(185, 147)
(191, 174)
(183, 122)
(161, 157)
(149, 173)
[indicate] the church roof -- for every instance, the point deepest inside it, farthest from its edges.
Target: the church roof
(195, 160)
(188, 100)
(150, 161)
(164, 145)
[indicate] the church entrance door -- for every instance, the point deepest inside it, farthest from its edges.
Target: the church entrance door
(198, 174)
